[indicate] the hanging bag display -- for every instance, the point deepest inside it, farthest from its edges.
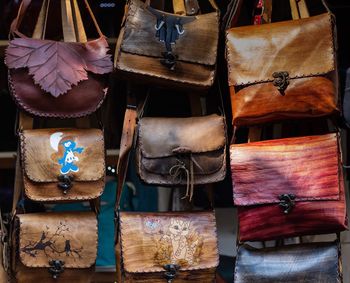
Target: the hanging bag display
(63, 164)
(288, 187)
(54, 78)
(168, 247)
(313, 262)
(163, 48)
(54, 247)
(283, 70)
(181, 151)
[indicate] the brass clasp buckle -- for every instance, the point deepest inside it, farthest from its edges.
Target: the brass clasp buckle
(287, 202)
(56, 268)
(281, 81)
(170, 273)
(65, 183)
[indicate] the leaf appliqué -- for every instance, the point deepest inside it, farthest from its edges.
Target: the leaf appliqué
(58, 66)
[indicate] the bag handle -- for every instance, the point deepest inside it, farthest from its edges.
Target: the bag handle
(178, 6)
(24, 6)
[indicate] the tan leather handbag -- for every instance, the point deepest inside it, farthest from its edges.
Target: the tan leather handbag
(169, 247)
(283, 70)
(181, 151)
(54, 247)
(62, 164)
(146, 49)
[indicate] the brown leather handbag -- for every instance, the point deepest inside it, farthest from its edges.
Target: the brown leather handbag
(313, 262)
(4, 252)
(283, 70)
(57, 79)
(168, 247)
(54, 247)
(181, 151)
(288, 187)
(146, 49)
(63, 164)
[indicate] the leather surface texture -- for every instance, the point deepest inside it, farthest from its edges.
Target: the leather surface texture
(304, 263)
(44, 86)
(301, 49)
(42, 237)
(152, 240)
(138, 51)
(3, 273)
(49, 154)
(308, 168)
(166, 147)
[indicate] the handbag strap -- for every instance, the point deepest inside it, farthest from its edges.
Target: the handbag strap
(179, 5)
(26, 3)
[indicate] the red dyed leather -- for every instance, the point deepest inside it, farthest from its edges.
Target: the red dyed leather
(58, 79)
(308, 167)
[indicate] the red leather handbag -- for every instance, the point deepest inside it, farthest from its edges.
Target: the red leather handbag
(288, 187)
(54, 78)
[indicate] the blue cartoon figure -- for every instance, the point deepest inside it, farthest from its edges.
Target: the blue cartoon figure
(68, 159)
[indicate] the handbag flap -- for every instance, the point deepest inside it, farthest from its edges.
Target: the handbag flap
(164, 137)
(50, 153)
(198, 43)
(152, 240)
(306, 167)
(303, 48)
(69, 237)
(312, 262)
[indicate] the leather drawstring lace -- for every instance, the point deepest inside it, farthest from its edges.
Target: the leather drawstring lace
(178, 170)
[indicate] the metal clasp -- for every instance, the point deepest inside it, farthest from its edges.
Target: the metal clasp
(56, 268)
(171, 270)
(287, 202)
(281, 81)
(65, 183)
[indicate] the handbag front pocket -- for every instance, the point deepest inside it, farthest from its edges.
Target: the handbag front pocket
(63, 164)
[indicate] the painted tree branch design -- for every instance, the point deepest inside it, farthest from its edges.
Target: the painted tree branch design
(48, 244)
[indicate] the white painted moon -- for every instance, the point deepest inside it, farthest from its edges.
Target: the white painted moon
(55, 139)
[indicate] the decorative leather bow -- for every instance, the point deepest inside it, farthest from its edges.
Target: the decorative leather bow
(177, 170)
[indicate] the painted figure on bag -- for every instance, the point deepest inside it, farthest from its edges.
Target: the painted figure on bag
(67, 150)
(68, 159)
(177, 242)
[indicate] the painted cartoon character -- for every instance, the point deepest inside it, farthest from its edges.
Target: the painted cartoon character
(69, 157)
(183, 247)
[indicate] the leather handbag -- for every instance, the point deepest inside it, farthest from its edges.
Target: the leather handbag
(146, 49)
(4, 252)
(168, 247)
(284, 70)
(288, 187)
(54, 247)
(62, 164)
(304, 263)
(181, 151)
(57, 79)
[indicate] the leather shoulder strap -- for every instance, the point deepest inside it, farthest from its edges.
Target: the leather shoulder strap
(126, 143)
(231, 17)
(25, 4)
(20, 14)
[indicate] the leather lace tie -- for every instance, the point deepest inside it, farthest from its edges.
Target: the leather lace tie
(177, 170)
